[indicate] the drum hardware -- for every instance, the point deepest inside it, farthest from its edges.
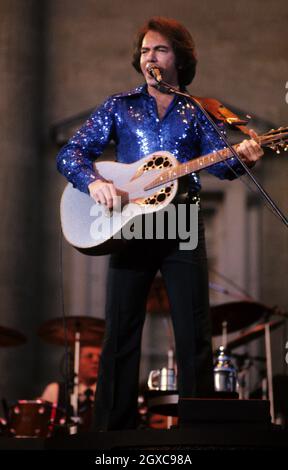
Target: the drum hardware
(238, 315)
(34, 418)
(162, 379)
(224, 333)
(171, 366)
(91, 330)
(165, 379)
(269, 369)
(252, 333)
(225, 374)
(78, 330)
(243, 378)
(75, 418)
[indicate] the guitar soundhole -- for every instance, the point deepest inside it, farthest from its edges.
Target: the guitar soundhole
(160, 196)
(157, 162)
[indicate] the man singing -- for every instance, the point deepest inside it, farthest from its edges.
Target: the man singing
(142, 121)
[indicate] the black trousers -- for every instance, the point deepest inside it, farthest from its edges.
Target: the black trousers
(130, 276)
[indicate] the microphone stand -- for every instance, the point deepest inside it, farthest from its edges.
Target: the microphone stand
(265, 195)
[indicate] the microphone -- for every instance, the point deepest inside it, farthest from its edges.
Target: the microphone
(154, 72)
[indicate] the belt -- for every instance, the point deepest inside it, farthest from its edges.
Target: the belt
(188, 197)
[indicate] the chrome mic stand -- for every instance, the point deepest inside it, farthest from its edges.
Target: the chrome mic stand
(75, 395)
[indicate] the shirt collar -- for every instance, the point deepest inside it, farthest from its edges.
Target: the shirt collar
(139, 90)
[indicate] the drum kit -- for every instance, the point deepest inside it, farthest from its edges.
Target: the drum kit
(40, 418)
(226, 318)
(231, 317)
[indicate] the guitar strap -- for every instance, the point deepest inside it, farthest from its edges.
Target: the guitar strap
(220, 112)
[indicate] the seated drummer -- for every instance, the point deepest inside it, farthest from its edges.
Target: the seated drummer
(88, 373)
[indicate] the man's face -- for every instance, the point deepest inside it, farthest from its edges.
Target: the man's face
(89, 363)
(157, 50)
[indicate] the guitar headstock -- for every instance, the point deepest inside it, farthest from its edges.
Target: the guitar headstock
(276, 139)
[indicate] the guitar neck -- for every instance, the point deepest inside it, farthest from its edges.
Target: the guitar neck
(191, 167)
(274, 137)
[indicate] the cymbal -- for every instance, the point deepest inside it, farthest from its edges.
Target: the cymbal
(158, 300)
(9, 337)
(238, 315)
(251, 334)
(91, 330)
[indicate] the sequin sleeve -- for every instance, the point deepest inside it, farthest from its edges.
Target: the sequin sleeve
(75, 160)
(209, 142)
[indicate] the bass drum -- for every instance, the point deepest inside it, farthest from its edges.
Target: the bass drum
(34, 418)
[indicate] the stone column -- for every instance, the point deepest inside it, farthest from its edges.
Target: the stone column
(20, 188)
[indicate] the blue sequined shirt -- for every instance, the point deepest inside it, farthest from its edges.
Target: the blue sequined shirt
(131, 120)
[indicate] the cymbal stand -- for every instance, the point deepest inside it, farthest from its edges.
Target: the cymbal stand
(224, 333)
(75, 395)
(170, 359)
(170, 366)
(243, 378)
(269, 368)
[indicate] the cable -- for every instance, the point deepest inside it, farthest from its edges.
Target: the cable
(233, 284)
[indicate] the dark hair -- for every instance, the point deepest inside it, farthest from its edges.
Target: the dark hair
(181, 42)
